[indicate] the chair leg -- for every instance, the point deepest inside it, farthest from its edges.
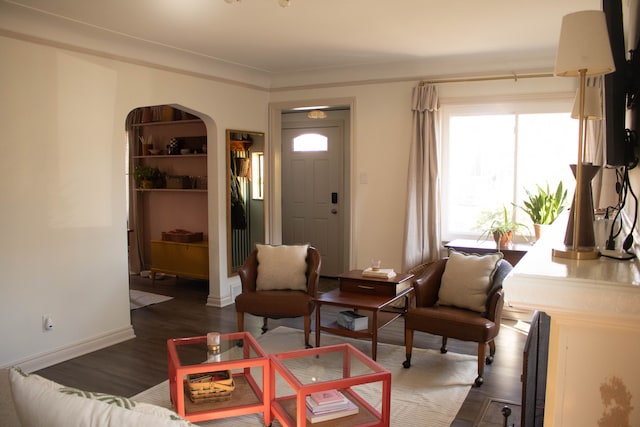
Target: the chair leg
(492, 352)
(265, 327)
(307, 330)
(444, 349)
(408, 344)
(240, 316)
(482, 349)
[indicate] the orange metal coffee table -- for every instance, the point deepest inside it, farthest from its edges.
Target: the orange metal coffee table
(341, 367)
(189, 356)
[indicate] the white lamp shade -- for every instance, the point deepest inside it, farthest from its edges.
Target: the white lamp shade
(592, 104)
(584, 45)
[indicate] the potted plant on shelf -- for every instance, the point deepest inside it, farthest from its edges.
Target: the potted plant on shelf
(544, 206)
(147, 176)
(501, 227)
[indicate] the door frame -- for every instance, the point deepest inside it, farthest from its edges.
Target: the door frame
(273, 190)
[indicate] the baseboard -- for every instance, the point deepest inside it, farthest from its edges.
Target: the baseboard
(62, 354)
(216, 301)
(219, 302)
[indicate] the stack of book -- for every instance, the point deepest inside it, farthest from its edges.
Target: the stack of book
(381, 273)
(353, 321)
(329, 405)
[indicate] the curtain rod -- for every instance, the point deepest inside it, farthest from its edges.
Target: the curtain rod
(513, 77)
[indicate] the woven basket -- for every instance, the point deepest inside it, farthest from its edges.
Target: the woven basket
(210, 386)
(178, 182)
(182, 236)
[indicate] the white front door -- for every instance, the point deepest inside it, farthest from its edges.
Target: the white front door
(313, 191)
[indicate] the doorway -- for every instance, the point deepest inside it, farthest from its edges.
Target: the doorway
(313, 189)
(167, 193)
(338, 251)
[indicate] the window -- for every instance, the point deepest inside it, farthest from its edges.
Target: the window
(257, 173)
(310, 142)
(491, 153)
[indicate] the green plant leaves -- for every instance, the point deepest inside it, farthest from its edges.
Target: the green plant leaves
(544, 206)
(501, 223)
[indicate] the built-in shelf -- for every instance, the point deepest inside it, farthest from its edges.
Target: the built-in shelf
(167, 123)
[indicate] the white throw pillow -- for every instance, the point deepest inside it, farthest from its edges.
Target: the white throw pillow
(466, 280)
(282, 267)
(41, 402)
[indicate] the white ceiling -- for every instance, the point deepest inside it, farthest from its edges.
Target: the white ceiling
(313, 35)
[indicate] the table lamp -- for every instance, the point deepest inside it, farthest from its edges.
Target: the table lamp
(583, 50)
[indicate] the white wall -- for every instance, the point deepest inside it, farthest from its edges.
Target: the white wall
(63, 216)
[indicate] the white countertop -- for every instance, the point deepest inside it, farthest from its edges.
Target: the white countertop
(602, 287)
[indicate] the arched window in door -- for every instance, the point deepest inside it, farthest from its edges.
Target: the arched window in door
(310, 142)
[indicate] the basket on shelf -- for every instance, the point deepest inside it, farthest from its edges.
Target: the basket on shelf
(182, 236)
(178, 182)
(210, 386)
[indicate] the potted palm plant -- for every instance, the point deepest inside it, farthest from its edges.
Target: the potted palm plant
(501, 227)
(544, 206)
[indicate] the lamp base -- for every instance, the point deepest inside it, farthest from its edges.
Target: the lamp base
(579, 254)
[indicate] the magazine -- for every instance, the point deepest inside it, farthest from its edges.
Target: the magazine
(324, 414)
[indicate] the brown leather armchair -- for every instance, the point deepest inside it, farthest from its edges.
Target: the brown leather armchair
(452, 322)
(278, 304)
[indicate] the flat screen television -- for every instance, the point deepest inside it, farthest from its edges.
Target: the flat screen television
(621, 116)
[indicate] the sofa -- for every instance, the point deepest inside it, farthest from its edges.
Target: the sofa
(29, 400)
(8, 415)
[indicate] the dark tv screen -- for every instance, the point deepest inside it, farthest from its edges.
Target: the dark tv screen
(619, 120)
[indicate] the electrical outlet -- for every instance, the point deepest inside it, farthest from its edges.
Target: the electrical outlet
(47, 322)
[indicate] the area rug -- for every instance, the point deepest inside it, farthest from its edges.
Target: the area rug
(491, 413)
(139, 299)
(431, 392)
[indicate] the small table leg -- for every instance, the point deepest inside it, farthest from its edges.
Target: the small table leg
(318, 324)
(374, 335)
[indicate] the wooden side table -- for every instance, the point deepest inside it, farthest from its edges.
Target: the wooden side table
(513, 253)
(371, 295)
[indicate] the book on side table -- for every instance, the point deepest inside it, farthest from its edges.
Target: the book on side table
(381, 273)
(353, 321)
(329, 405)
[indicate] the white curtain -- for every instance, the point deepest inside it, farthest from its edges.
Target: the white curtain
(422, 226)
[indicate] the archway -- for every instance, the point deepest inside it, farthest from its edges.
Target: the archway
(168, 202)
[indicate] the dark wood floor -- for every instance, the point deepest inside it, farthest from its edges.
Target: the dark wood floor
(135, 365)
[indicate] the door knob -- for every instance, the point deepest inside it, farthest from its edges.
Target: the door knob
(334, 211)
